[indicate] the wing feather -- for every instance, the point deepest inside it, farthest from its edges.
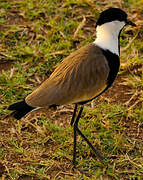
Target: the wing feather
(80, 77)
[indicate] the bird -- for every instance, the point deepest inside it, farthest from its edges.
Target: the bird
(82, 76)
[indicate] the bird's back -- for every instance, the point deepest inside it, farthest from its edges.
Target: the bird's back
(80, 77)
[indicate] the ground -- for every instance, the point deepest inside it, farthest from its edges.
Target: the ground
(35, 36)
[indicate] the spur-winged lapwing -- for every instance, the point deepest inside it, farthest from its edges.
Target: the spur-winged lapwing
(83, 75)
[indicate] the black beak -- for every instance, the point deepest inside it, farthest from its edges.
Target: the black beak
(128, 22)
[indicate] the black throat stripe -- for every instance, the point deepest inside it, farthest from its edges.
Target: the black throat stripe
(114, 64)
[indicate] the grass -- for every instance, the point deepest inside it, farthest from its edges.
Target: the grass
(35, 36)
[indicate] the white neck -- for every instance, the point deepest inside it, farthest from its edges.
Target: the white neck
(108, 36)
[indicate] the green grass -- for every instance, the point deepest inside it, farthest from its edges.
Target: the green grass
(35, 36)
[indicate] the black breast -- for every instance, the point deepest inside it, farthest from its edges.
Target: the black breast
(114, 64)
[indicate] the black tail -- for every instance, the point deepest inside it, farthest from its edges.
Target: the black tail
(20, 109)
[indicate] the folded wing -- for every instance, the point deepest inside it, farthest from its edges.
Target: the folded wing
(80, 77)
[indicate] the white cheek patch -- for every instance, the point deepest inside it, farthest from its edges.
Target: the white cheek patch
(118, 25)
(108, 36)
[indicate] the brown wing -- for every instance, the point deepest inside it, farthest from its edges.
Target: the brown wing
(80, 77)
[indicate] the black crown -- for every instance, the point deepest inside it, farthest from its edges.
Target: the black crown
(111, 14)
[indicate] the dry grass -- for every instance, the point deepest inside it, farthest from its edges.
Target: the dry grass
(35, 36)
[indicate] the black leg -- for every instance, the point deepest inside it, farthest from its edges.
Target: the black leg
(101, 158)
(76, 129)
(74, 148)
(75, 136)
(74, 114)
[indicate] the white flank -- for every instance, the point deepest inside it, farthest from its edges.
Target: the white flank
(35, 109)
(107, 36)
(32, 111)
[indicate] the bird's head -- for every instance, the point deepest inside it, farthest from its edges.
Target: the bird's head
(115, 18)
(109, 26)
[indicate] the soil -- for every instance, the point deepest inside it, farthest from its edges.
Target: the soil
(5, 65)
